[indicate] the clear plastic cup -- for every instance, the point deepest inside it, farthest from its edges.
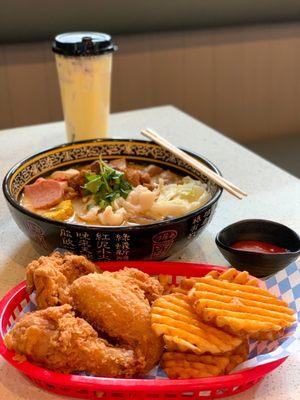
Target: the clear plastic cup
(84, 62)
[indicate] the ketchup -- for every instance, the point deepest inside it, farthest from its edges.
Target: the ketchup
(258, 247)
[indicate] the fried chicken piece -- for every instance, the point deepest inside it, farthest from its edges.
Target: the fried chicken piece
(55, 339)
(119, 308)
(51, 276)
(135, 278)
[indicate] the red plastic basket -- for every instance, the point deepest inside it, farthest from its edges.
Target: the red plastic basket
(87, 387)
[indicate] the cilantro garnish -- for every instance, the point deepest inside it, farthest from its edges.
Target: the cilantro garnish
(106, 186)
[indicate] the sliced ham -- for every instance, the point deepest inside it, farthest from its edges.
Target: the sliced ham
(45, 193)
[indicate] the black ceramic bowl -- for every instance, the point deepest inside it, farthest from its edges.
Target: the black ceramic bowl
(154, 241)
(258, 264)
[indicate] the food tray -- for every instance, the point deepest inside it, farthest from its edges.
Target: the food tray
(88, 387)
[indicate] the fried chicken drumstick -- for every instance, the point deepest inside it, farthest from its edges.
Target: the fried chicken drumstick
(54, 338)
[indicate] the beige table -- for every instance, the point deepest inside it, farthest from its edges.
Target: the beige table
(273, 194)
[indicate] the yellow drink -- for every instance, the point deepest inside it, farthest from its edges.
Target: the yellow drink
(85, 80)
(85, 92)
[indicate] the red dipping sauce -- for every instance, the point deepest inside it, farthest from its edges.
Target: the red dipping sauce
(258, 247)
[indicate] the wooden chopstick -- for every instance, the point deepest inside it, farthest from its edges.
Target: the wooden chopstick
(219, 180)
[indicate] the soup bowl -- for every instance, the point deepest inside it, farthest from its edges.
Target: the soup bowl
(155, 241)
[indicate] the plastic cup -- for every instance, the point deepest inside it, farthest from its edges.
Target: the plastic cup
(84, 63)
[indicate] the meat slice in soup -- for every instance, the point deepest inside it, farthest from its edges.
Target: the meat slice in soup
(134, 174)
(166, 177)
(119, 164)
(153, 170)
(77, 182)
(45, 193)
(66, 175)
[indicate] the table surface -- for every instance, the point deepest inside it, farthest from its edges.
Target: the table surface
(272, 194)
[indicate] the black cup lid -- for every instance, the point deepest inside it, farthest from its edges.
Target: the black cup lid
(83, 44)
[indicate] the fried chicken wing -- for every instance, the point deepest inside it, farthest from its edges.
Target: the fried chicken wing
(51, 277)
(57, 340)
(133, 277)
(119, 308)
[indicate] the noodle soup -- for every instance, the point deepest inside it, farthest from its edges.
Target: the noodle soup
(115, 193)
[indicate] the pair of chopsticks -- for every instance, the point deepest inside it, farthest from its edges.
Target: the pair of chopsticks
(219, 180)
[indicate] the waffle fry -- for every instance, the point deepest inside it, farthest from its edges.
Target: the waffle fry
(237, 356)
(184, 286)
(235, 276)
(230, 275)
(164, 280)
(173, 317)
(184, 365)
(240, 309)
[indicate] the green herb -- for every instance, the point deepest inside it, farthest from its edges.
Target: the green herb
(107, 186)
(94, 184)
